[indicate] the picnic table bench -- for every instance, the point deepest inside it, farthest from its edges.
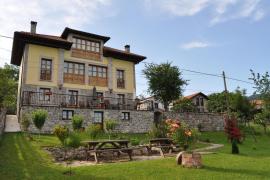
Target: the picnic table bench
(95, 148)
(161, 145)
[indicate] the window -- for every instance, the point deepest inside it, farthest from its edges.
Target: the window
(44, 94)
(99, 94)
(73, 68)
(86, 45)
(98, 117)
(121, 98)
(97, 71)
(197, 101)
(201, 101)
(125, 116)
(72, 97)
(120, 78)
(67, 114)
(156, 105)
(46, 69)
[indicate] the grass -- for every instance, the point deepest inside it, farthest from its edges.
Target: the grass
(23, 159)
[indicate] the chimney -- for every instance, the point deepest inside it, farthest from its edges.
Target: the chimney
(127, 48)
(33, 27)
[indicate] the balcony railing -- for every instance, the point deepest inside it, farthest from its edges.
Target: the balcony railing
(120, 83)
(30, 98)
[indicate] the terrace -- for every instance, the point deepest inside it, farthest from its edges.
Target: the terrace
(30, 98)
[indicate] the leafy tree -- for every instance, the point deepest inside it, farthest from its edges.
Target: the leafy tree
(39, 117)
(165, 82)
(77, 122)
(9, 75)
(62, 133)
(184, 105)
(262, 87)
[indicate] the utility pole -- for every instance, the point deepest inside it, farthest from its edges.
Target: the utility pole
(226, 92)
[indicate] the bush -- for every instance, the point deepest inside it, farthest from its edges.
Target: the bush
(61, 132)
(39, 116)
(94, 130)
(135, 141)
(25, 123)
(110, 125)
(73, 140)
(159, 131)
(77, 122)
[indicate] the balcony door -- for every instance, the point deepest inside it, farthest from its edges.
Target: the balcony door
(72, 98)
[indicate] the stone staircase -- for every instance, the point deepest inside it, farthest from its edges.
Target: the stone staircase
(12, 124)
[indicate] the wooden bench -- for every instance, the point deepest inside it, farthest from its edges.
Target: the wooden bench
(161, 145)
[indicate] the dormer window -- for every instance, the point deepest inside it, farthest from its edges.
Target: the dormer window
(85, 45)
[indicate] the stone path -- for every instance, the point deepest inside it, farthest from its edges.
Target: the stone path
(12, 124)
(210, 147)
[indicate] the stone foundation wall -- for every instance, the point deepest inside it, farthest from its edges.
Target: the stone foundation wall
(208, 121)
(2, 120)
(140, 121)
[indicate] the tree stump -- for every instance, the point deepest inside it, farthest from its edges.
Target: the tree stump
(189, 160)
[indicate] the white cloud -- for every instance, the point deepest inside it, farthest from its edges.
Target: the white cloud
(195, 44)
(52, 16)
(221, 10)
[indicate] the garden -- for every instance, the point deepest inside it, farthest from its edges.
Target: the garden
(26, 156)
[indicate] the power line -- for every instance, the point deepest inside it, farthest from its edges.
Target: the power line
(9, 37)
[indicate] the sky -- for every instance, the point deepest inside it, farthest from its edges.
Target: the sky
(209, 36)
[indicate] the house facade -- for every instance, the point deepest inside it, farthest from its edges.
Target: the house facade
(199, 100)
(75, 73)
(150, 104)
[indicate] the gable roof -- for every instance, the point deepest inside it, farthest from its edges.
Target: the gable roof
(196, 94)
(68, 30)
(123, 55)
(21, 38)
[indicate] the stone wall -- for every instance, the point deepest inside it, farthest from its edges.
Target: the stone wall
(140, 121)
(208, 121)
(2, 120)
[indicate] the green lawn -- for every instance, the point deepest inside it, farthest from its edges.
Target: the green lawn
(22, 159)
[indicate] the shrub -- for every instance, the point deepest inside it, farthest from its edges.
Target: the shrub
(94, 130)
(77, 122)
(25, 123)
(159, 130)
(39, 117)
(135, 141)
(73, 140)
(61, 132)
(185, 136)
(110, 125)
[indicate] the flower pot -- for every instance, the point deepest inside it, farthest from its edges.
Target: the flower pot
(189, 160)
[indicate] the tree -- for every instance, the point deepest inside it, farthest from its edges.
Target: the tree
(184, 105)
(262, 87)
(9, 76)
(77, 122)
(165, 82)
(110, 125)
(39, 117)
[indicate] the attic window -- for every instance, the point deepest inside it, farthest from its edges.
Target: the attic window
(86, 45)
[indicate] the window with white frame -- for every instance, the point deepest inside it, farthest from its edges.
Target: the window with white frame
(98, 117)
(125, 116)
(85, 44)
(67, 114)
(44, 94)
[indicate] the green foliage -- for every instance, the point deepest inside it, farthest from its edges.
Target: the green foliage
(159, 130)
(134, 141)
(165, 82)
(235, 149)
(77, 122)
(39, 117)
(185, 136)
(184, 105)
(8, 87)
(94, 130)
(73, 140)
(61, 132)
(26, 121)
(263, 118)
(110, 125)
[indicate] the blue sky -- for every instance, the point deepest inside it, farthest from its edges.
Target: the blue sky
(202, 35)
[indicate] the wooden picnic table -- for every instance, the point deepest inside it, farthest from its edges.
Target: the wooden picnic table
(95, 148)
(161, 145)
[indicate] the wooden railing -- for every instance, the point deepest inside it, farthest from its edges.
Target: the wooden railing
(74, 78)
(30, 98)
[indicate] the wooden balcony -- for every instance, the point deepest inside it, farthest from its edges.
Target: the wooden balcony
(98, 81)
(30, 98)
(79, 53)
(74, 78)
